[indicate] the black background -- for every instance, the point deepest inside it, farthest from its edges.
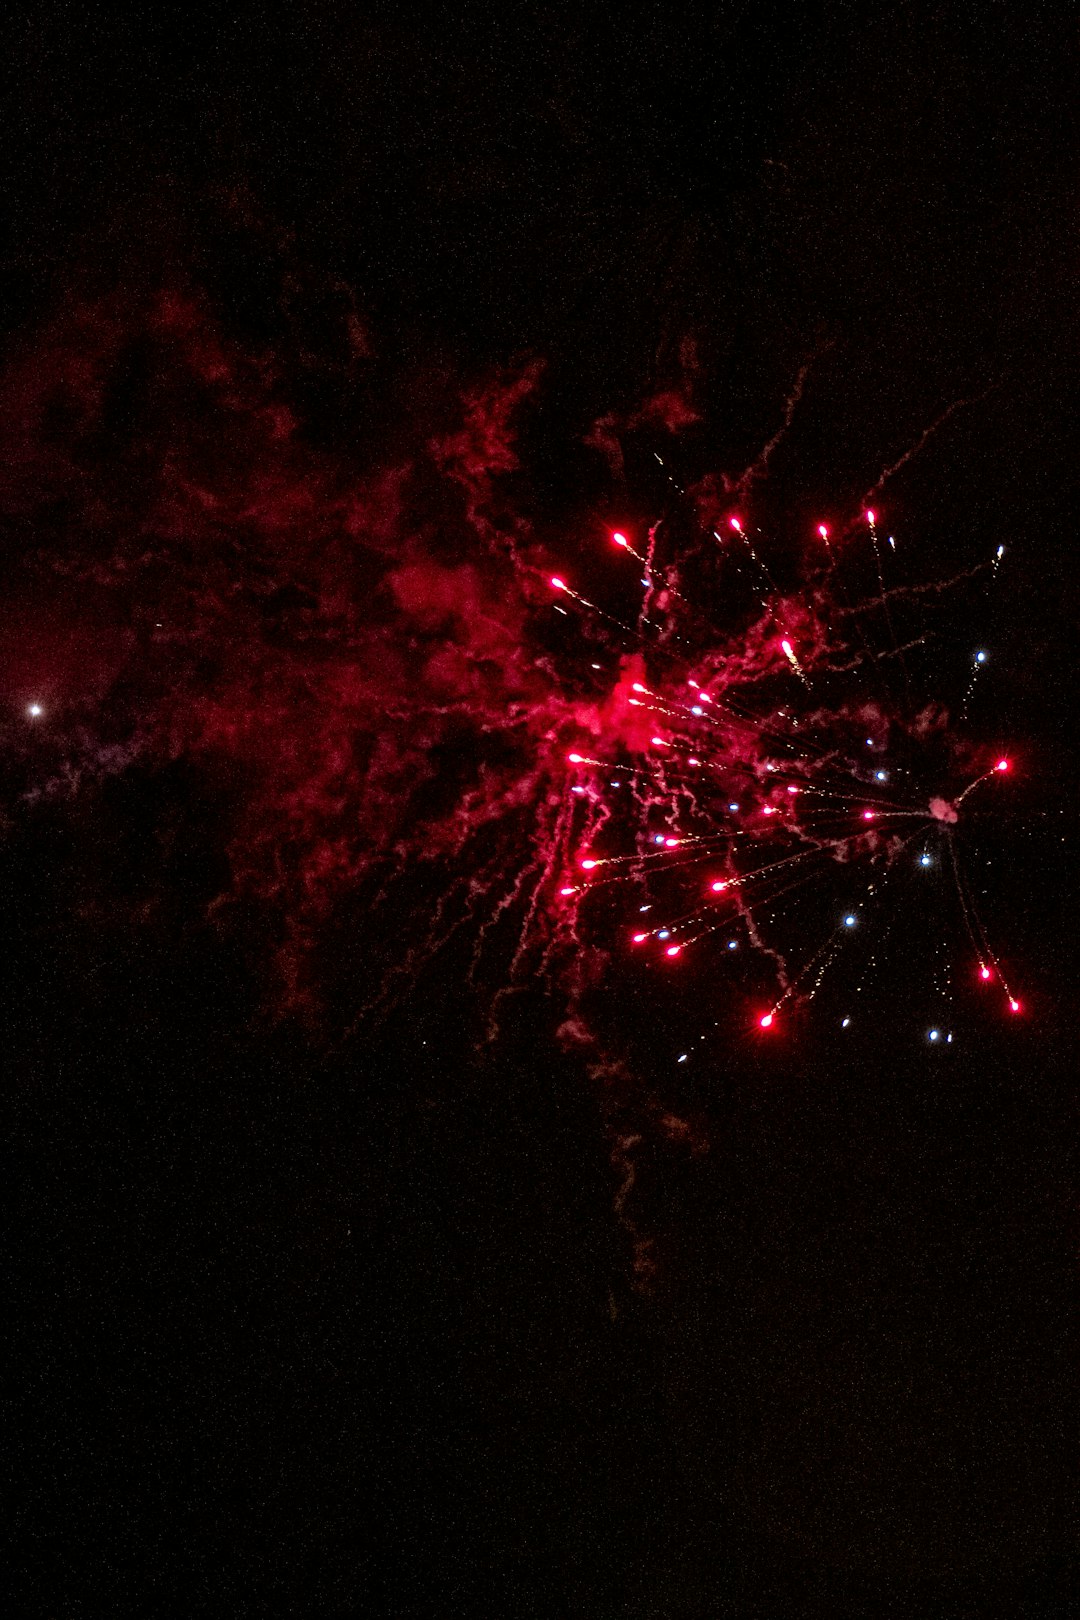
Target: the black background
(320, 1330)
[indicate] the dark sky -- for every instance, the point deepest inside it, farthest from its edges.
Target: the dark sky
(326, 1300)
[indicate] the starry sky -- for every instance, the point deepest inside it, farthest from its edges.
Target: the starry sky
(362, 1258)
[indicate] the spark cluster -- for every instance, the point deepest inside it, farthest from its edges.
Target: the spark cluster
(788, 796)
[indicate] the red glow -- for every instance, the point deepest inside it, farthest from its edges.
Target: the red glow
(868, 815)
(620, 539)
(673, 950)
(719, 886)
(568, 891)
(984, 972)
(640, 938)
(557, 584)
(587, 866)
(1002, 765)
(735, 524)
(766, 1020)
(869, 516)
(822, 529)
(576, 759)
(789, 651)
(1014, 1005)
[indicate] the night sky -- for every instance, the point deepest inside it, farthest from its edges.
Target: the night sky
(369, 1250)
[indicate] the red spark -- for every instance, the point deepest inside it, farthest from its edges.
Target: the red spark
(766, 1020)
(557, 584)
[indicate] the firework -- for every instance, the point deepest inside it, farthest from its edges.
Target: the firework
(399, 671)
